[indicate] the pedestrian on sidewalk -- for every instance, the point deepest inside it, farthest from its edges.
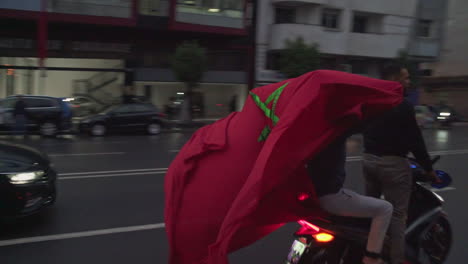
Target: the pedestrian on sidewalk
(20, 116)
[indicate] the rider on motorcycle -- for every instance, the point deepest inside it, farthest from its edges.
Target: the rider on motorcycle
(327, 171)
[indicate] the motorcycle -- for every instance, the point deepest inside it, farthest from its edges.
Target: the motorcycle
(330, 239)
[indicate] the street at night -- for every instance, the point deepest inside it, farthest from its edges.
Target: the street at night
(111, 200)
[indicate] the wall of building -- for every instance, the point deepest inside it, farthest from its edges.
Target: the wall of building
(389, 28)
(454, 54)
(154, 7)
(428, 47)
(57, 83)
(25, 5)
(221, 13)
(107, 8)
(216, 96)
(455, 98)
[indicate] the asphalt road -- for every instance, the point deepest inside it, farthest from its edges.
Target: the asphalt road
(111, 200)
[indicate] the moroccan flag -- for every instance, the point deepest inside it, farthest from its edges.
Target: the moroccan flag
(237, 180)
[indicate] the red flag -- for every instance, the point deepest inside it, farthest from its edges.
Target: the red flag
(235, 182)
(42, 34)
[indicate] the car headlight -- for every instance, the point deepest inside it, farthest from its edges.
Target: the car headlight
(25, 177)
(445, 114)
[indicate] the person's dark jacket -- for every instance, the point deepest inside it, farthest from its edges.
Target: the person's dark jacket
(397, 133)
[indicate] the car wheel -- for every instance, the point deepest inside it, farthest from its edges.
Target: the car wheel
(98, 130)
(48, 129)
(154, 128)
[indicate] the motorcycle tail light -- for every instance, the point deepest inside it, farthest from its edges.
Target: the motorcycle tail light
(315, 232)
(323, 237)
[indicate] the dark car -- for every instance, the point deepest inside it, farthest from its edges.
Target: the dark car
(27, 181)
(125, 117)
(46, 115)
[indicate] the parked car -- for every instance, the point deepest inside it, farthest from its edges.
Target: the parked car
(424, 116)
(125, 117)
(46, 115)
(27, 181)
(82, 106)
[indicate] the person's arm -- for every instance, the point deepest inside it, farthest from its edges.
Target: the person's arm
(418, 146)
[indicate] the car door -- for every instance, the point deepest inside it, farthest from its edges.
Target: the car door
(41, 110)
(144, 113)
(123, 117)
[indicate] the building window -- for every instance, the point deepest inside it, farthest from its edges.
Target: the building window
(424, 28)
(233, 5)
(285, 15)
(330, 18)
(149, 7)
(426, 72)
(360, 24)
(226, 61)
(214, 5)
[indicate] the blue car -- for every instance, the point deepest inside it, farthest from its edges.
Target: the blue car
(45, 115)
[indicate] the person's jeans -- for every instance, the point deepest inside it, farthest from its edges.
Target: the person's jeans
(348, 203)
(392, 177)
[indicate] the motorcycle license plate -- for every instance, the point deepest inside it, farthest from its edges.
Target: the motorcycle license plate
(295, 253)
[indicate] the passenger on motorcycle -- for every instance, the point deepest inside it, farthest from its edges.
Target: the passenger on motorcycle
(327, 171)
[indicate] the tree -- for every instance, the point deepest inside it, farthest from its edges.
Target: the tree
(299, 58)
(189, 65)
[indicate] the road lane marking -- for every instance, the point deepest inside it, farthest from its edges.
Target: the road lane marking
(110, 175)
(87, 154)
(149, 171)
(112, 171)
(449, 152)
(100, 232)
(439, 152)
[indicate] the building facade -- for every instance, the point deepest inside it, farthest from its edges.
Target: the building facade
(93, 45)
(353, 35)
(447, 79)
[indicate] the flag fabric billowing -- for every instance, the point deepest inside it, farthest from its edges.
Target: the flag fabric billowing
(238, 179)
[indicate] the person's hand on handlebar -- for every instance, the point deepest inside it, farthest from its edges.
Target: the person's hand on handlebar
(432, 176)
